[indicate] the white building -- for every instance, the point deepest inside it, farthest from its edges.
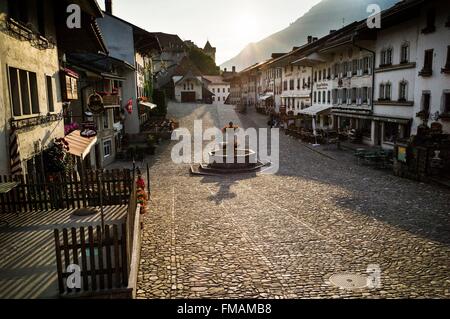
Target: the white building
(395, 74)
(432, 88)
(270, 86)
(218, 87)
(188, 88)
(296, 89)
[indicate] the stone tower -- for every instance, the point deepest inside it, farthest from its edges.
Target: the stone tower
(210, 51)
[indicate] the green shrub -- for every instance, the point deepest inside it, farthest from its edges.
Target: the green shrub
(159, 98)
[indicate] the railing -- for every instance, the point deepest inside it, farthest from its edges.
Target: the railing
(66, 191)
(107, 260)
(35, 121)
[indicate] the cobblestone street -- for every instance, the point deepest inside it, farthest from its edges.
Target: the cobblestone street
(284, 235)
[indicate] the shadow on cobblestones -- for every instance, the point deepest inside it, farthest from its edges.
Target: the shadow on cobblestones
(284, 235)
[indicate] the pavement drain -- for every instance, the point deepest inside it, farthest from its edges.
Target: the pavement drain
(349, 281)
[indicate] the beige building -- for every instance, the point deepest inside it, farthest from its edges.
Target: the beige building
(30, 98)
(32, 86)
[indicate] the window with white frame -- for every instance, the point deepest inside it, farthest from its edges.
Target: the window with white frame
(381, 95)
(365, 95)
(386, 57)
(366, 65)
(388, 91)
(107, 148)
(403, 91)
(404, 53)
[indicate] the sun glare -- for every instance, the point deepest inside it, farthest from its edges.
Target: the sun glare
(245, 27)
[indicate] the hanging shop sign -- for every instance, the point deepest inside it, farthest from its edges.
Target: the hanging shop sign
(322, 86)
(95, 103)
(88, 129)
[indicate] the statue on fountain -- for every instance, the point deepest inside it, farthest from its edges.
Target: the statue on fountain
(233, 127)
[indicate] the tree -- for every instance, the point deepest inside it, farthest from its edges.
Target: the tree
(159, 98)
(203, 62)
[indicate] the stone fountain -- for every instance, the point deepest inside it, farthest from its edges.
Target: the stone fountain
(240, 161)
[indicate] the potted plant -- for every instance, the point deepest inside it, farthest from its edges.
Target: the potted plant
(57, 159)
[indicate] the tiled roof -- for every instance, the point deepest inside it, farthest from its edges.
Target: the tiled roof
(215, 79)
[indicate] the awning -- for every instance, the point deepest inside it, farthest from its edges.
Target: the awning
(265, 97)
(316, 110)
(405, 121)
(109, 76)
(151, 106)
(78, 145)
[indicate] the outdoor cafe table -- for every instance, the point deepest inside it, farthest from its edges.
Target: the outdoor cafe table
(6, 188)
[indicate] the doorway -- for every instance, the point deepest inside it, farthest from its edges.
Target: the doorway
(378, 134)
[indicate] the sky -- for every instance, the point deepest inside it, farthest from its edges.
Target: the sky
(228, 24)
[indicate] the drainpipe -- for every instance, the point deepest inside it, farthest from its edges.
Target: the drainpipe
(373, 69)
(312, 84)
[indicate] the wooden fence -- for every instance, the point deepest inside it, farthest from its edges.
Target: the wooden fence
(107, 259)
(67, 191)
(101, 255)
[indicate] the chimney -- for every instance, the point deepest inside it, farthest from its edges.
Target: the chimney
(234, 69)
(315, 39)
(310, 39)
(108, 6)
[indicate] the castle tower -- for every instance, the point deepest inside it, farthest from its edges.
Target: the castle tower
(210, 51)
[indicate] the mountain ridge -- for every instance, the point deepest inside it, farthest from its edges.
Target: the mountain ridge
(315, 22)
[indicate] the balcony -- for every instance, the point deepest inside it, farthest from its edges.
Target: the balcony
(429, 29)
(35, 121)
(28, 33)
(400, 102)
(424, 115)
(427, 71)
(446, 69)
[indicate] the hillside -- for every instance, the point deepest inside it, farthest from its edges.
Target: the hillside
(318, 21)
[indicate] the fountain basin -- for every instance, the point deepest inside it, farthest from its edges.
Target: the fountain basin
(241, 159)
